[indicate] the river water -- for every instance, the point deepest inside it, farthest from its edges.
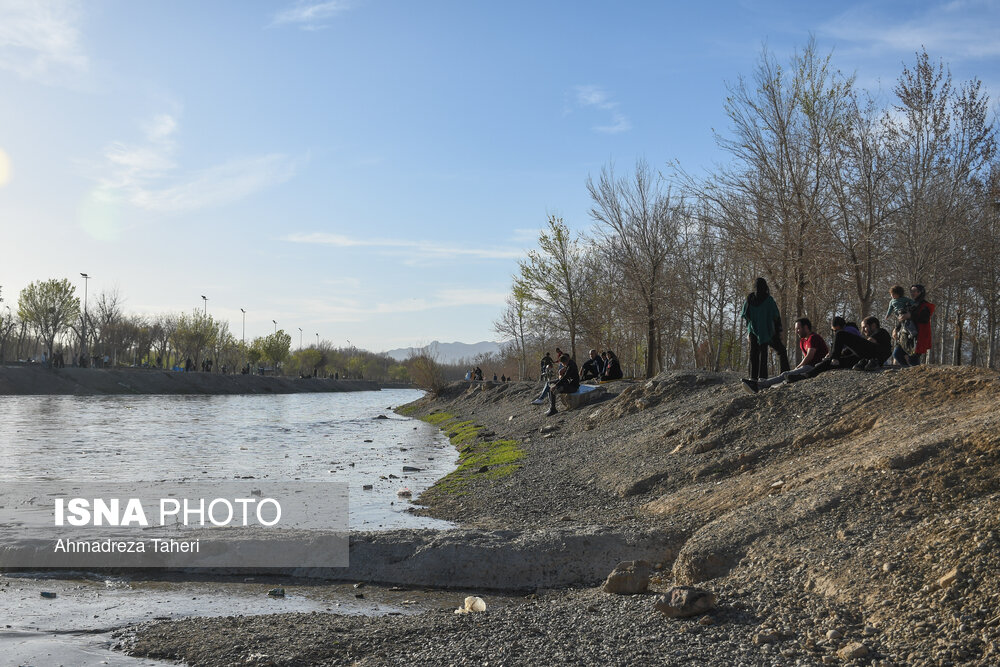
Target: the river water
(309, 437)
(107, 439)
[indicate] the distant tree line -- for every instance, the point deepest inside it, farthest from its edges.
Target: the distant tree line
(830, 193)
(49, 319)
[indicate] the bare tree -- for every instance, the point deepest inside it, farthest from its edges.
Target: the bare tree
(638, 226)
(554, 277)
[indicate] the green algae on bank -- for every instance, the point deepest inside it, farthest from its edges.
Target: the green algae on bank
(479, 457)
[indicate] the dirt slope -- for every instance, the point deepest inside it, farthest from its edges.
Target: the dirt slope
(863, 488)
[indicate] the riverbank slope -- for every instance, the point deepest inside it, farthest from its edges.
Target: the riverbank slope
(35, 380)
(851, 518)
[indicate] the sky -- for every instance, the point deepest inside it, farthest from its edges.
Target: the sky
(372, 170)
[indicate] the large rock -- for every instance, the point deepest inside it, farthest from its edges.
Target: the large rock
(629, 577)
(586, 395)
(853, 651)
(682, 601)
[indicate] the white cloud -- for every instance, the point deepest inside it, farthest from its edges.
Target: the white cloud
(311, 15)
(39, 40)
(146, 175)
(956, 30)
(413, 249)
(334, 308)
(595, 97)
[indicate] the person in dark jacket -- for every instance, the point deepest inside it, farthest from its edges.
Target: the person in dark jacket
(920, 315)
(763, 330)
(866, 352)
(568, 382)
(613, 368)
(592, 368)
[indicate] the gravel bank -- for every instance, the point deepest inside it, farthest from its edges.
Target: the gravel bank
(851, 515)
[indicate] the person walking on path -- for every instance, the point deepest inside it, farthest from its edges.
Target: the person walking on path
(763, 330)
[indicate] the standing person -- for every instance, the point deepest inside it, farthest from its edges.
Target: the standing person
(813, 348)
(920, 314)
(763, 330)
(546, 366)
(568, 382)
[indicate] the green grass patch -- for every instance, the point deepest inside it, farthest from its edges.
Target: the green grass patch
(407, 410)
(498, 457)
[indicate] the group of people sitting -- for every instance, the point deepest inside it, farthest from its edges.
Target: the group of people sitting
(602, 366)
(864, 349)
(476, 374)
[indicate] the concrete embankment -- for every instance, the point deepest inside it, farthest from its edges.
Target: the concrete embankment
(505, 560)
(34, 380)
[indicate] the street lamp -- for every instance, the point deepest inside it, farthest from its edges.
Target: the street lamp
(317, 341)
(300, 338)
(244, 325)
(275, 326)
(83, 329)
(205, 299)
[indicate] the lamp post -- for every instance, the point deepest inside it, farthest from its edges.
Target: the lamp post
(300, 338)
(205, 299)
(244, 326)
(83, 329)
(275, 326)
(317, 341)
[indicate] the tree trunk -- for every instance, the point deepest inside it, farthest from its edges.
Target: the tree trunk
(650, 341)
(956, 356)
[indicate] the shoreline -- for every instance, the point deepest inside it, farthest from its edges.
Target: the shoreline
(814, 514)
(37, 381)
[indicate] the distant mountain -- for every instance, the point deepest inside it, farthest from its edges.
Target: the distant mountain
(448, 353)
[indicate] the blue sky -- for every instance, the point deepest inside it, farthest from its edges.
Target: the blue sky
(370, 170)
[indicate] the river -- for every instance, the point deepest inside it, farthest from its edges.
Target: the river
(308, 437)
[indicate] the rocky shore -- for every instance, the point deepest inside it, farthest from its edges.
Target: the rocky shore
(854, 518)
(35, 380)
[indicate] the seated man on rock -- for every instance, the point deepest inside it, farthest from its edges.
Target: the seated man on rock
(813, 348)
(568, 382)
(866, 352)
(593, 368)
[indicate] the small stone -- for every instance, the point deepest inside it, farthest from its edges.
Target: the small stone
(591, 607)
(367, 487)
(869, 631)
(681, 601)
(48, 595)
(766, 637)
(888, 567)
(950, 578)
(706, 620)
(483, 469)
(360, 596)
(276, 593)
(852, 651)
(360, 584)
(834, 634)
(629, 577)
